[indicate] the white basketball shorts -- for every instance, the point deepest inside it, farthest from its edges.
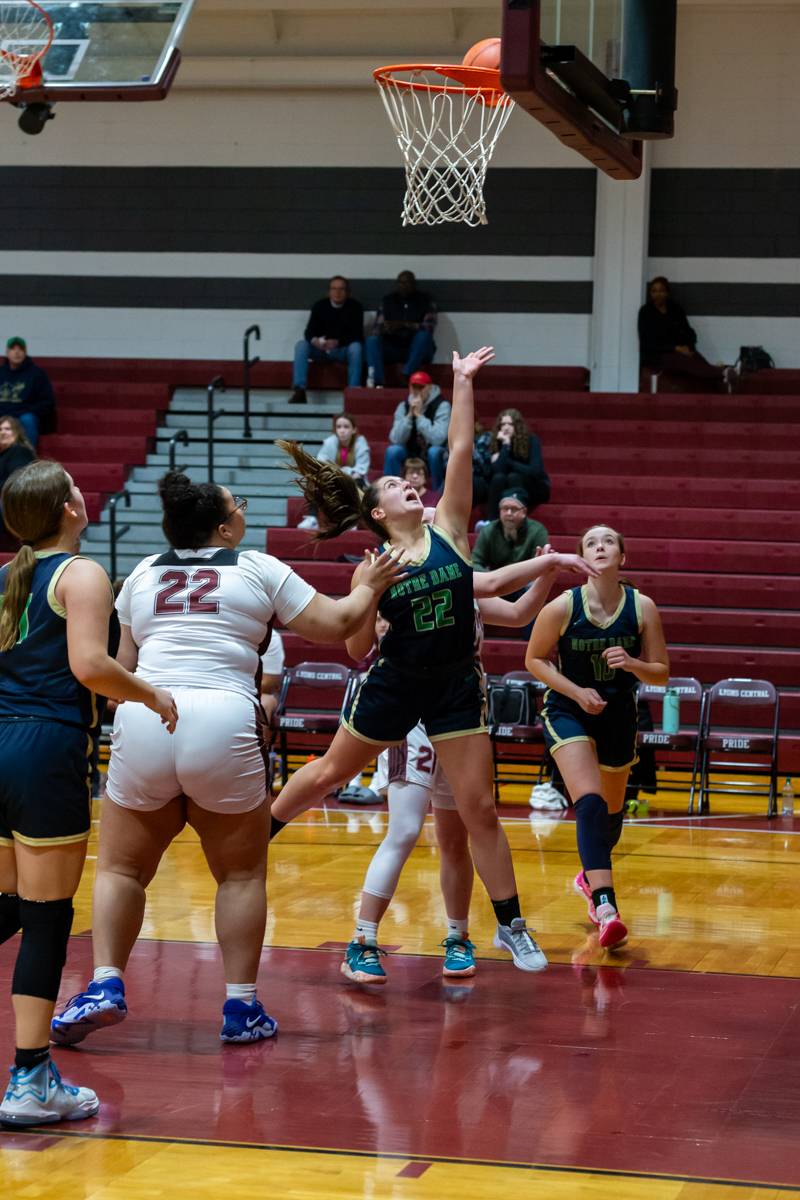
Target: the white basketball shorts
(414, 761)
(216, 756)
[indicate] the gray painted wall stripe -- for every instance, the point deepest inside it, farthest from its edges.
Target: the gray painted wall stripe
(339, 210)
(70, 291)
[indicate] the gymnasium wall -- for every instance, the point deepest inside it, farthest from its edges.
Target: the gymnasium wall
(165, 229)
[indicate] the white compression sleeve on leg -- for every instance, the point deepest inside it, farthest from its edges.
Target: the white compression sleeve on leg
(408, 805)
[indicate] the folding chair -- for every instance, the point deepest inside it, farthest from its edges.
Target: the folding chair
(742, 721)
(310, 703)
(525, 732)
(686, 743)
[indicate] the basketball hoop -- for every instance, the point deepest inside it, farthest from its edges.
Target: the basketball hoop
(26, 34)
(447, 119)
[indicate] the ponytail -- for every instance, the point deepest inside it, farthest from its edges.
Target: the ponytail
(32, 500)
(12, 604)
(334, 494)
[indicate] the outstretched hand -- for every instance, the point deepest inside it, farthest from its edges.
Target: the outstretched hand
(468, 366)
(380, 571)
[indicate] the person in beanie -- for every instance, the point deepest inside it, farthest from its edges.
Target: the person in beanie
(419, 429)
(25, 390)
(514, 536)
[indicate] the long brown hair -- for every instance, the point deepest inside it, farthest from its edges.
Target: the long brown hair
(335, 495)
(33, 502)
(351, 445)
(20, 436)
(520, 441)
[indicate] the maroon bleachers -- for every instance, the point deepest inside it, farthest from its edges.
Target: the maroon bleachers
(705, 489)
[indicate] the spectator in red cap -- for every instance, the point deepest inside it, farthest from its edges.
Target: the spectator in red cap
(420, 429)
(403, 331)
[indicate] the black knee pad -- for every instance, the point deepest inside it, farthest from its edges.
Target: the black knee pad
(10, 920)
(591, 818)
(614, 828)
(45, 932)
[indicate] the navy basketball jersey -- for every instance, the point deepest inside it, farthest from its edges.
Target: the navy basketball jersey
(35, 678)
(583, 640)
(431, 613)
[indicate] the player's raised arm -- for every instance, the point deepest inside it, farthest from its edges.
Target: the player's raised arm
(454, 508)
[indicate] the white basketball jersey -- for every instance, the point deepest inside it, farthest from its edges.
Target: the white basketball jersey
(201, 618)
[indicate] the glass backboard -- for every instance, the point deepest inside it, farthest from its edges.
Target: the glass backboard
(104, 50)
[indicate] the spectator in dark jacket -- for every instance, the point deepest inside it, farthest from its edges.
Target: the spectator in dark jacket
(334, 333)
(667, 341)
(512, 538)
(25, 390)
(515, 461)
(403, 330)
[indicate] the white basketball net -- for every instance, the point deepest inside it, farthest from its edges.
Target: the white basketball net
(25, 34)
(447, 135)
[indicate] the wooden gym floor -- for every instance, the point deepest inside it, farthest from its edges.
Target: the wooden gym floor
(669, 1070)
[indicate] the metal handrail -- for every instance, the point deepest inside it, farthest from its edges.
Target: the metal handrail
(115, 534)
(181, 436)
(255, 331)
(217, 384)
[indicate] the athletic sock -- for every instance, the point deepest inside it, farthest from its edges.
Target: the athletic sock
(368, 930)
(457, 928)
(10, 920)
(101, 974)
(604, 895)
(508, 910)
(246, 992)
(27, 1059)
(275, 826)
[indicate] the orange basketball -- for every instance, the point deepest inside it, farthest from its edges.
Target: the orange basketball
(483, 54)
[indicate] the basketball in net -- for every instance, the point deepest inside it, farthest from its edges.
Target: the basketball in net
(26, 34)
(447, 119)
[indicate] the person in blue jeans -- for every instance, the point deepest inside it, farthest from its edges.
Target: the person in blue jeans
(419, 429)
(25, 390)
(403, 331)
(334, 333)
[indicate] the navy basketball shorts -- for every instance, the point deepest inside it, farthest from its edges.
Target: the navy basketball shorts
(613, 731)
(390, 700)
(45, 783)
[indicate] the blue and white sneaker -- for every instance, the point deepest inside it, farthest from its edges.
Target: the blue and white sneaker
(362, 962)
(246, 1022)
(37, 1096)
(100, 1005)
(459, 957)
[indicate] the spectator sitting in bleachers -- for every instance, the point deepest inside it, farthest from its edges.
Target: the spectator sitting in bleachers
(415, 472)
(349, 449)
(334, 333)
(25, 390)
(403, 331)
(515, 462)
(419, 429)
(15, 452)
(511, 538)
(667, 341)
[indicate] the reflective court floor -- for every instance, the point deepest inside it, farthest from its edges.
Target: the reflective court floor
(670, 1069)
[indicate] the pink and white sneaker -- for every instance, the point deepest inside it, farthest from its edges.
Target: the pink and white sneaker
(613, 932)
(581, 887)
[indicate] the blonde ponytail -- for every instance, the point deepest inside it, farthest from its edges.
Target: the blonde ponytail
(13, 601)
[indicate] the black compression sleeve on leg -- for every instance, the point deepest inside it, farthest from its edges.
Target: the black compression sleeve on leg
(43, 949)
(591, 819)
(275, 826)
(614, 828)
(10, 920)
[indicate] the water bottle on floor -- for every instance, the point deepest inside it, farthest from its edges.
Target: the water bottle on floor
(787, 799)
